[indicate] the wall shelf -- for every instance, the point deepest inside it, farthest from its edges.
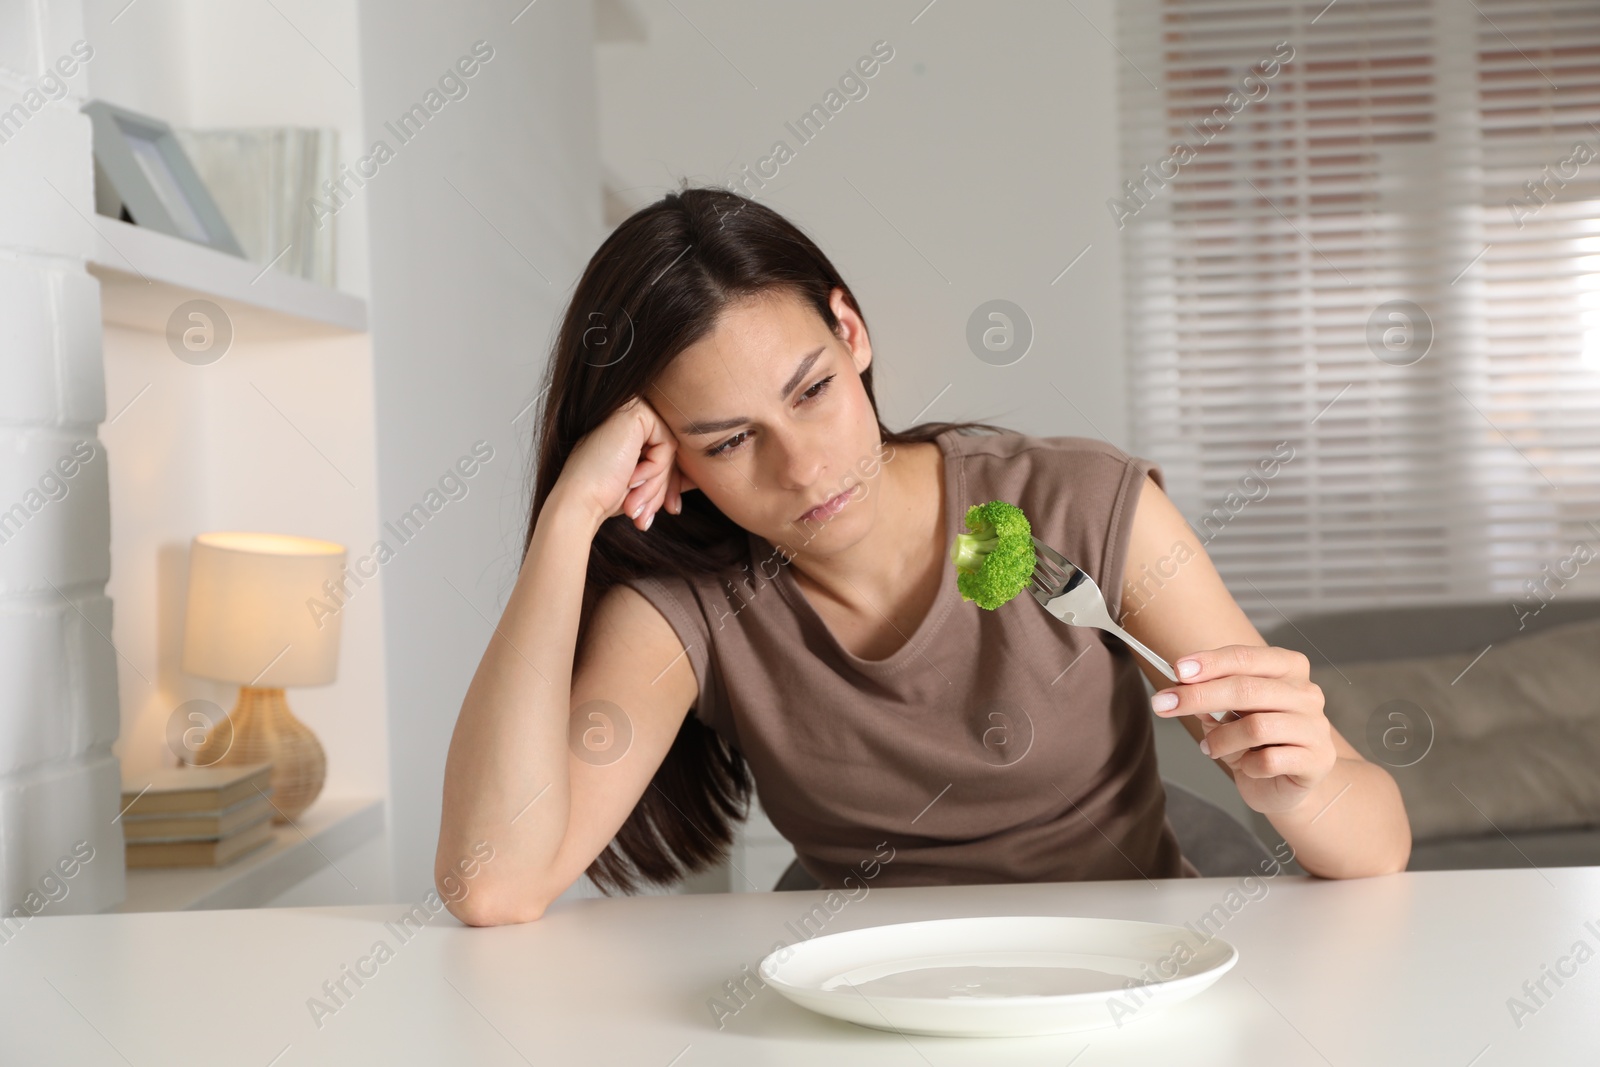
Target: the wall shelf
(144, 275)
(332, 827)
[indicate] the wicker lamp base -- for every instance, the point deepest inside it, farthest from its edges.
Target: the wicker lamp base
(262, 729)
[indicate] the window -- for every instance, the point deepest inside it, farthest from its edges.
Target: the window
(1381, 259)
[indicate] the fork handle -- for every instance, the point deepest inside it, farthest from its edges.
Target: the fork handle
(1138, 646)
(1155, 661)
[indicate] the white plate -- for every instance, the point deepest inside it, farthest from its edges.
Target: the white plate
(1001, 976)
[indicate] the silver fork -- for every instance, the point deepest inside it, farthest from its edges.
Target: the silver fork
(1065, 591)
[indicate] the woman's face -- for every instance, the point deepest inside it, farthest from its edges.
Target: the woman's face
(773, 424)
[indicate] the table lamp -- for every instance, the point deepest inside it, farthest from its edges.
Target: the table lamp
(249, 622)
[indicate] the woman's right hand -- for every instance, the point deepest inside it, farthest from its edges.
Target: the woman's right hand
(625, 466)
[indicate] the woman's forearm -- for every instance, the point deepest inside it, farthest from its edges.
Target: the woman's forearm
(506, 772)
(1353, 824)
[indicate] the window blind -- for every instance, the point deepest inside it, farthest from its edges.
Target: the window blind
(1381, 258)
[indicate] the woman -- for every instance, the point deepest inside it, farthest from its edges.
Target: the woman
(733, 570)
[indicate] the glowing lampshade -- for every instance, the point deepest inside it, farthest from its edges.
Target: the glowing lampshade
(248, 622)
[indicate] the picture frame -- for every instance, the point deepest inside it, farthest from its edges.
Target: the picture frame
(142, 175)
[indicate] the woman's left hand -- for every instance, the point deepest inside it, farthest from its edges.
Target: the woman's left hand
(1281, 746)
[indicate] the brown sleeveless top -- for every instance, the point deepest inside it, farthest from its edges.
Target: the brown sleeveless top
(994, 746)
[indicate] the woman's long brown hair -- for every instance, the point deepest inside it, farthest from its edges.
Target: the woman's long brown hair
(655, 286)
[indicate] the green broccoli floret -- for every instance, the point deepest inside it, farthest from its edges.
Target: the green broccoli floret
(995, 561)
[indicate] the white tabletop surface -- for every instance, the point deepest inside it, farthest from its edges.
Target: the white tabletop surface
(1406, 969)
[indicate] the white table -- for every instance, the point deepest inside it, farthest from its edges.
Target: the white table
(1408, 969)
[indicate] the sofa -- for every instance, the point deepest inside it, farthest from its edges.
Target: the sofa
(1487, 717)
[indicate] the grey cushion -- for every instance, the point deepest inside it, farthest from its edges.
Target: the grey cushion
(1509, 745)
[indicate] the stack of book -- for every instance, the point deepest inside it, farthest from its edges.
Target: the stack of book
(196, 816)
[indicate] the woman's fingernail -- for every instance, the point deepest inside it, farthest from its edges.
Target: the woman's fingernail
(1188, 668)
(651, 518)
(638, 483)
(1205, 746)
(1164, 701)
(637, 512)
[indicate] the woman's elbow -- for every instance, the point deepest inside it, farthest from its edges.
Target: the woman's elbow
(483, 906)
(1402, 858)
(1393, 861)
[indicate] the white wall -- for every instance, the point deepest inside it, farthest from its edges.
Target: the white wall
(480, 225)
(59, 783)
(976, 167)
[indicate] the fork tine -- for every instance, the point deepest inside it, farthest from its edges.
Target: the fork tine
(1050, 563)
(1042, 549)
(1049, 582)
(1054, 573)
(1043, 580)
(1042, 566)
(1050, 575)
(1071, 574)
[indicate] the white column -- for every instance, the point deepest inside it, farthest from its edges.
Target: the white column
(60, 852)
